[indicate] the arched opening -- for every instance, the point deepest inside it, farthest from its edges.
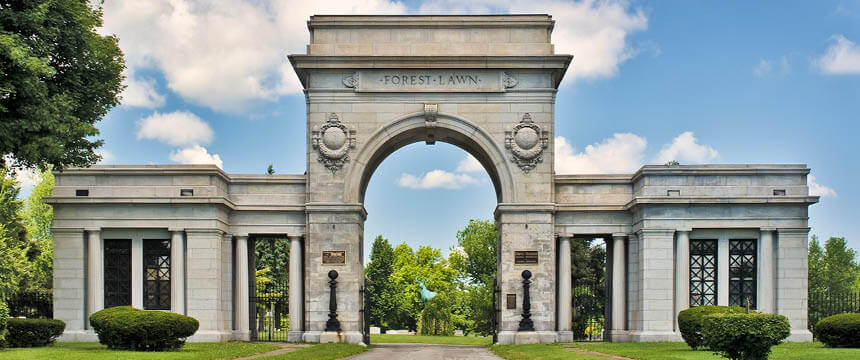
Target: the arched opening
(417, 198)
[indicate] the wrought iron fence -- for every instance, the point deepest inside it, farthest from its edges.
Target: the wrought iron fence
(824, 304)
(30, 304)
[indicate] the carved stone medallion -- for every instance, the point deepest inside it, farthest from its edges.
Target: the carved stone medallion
(351, 80)
(509, 81)
(333, 140)
(526, 142)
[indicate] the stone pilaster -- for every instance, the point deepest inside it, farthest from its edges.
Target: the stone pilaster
(792, 281)
(296, 290)
(69, 287)
(565, 310)
(682, 273)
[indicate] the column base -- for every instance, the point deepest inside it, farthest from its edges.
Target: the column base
(348, 337)
(565, 336)
(527, 337)
(619, 336)
(650, 336)
(78, 336)
(800, 335)
(211, 336)
(239, 335)
(294, 336)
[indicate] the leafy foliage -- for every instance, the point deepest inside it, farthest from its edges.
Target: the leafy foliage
(37, 218)
(833, 269)
(124, 327)
(4, 321)
(58, 77)
(841, 330)
(34, 332)
(690, 321)
(744, 336)
(479, 240)
(378, 271)
(436, 318)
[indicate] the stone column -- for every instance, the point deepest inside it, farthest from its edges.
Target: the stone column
(177, 271)
(619, 284)
(682, 273)
(137, 272)
(95, 272)
(792, 281)
(204, 286)
(766, 256)
(296, 290)
(723, 272)
(564, 288)
(242, 296)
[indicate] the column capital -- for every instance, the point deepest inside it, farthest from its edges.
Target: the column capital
(299, 237)
(93, 229)
(227, 236)
(684, 229)
(562, 235)
(241, 237)
(619, 235)
(796, 231)
(767, 229)
(173, 229)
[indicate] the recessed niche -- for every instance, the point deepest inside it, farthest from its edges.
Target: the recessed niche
(186, 192)
(82, 192)
(778, 192)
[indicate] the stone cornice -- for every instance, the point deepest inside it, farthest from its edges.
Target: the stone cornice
(210, 200)
(807, 200)
(432, 21)
(688, 170)
(107, 170)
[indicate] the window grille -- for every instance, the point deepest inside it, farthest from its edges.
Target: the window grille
(742, 272)
(117, 272)
(703, 272)
(156, 274)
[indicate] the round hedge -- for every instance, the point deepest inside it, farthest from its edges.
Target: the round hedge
(124, 327)
(34, 332)
(690, 321)
(841, 330)
(744, 336)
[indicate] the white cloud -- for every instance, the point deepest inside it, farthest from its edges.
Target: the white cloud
(816, 189)
(763, 68)
(595, 31)
(686, 150)
(842, 57)
(222, 54)
(177, 128)
(623, 153)
(196, 155)
(470, 164)
(141, 92)
(436, 179)
(107, 157)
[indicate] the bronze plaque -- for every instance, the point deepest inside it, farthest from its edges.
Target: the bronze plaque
(334, 257)
(511, 301)
(525, 257)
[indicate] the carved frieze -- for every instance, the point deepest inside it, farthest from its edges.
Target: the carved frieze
(509, 81)
(526, 142)
(333, 140)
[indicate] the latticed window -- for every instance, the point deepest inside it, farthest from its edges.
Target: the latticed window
(703, 272)
(156, 274)
(742, 272)
(117, 273)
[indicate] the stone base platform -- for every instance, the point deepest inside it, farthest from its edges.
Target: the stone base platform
(348, 337)
(528, 337)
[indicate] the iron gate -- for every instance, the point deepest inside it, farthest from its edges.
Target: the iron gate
(588, 311)
(271, 312)
(497, 301)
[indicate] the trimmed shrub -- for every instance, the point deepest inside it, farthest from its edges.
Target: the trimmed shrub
(690, 321)
(124, 327)
(744, 336)
(841, 330)
(4, 318)
(34, 332)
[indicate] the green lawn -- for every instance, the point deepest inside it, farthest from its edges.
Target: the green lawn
(664, 351)
(329, 351)
(421, 339)
(96, 351)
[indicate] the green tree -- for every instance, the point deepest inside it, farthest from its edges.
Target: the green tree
(817, 271)
(273, 253)
(58, 77)
(13, 261)
(479, 240)
(840, 263)
(379, 272)
(37, 217)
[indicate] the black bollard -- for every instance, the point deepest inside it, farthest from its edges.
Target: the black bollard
(526, 323)
(333, 324)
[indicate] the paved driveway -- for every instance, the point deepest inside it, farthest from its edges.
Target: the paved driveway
(425, 352)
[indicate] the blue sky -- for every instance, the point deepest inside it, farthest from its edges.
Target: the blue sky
(697, 81)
